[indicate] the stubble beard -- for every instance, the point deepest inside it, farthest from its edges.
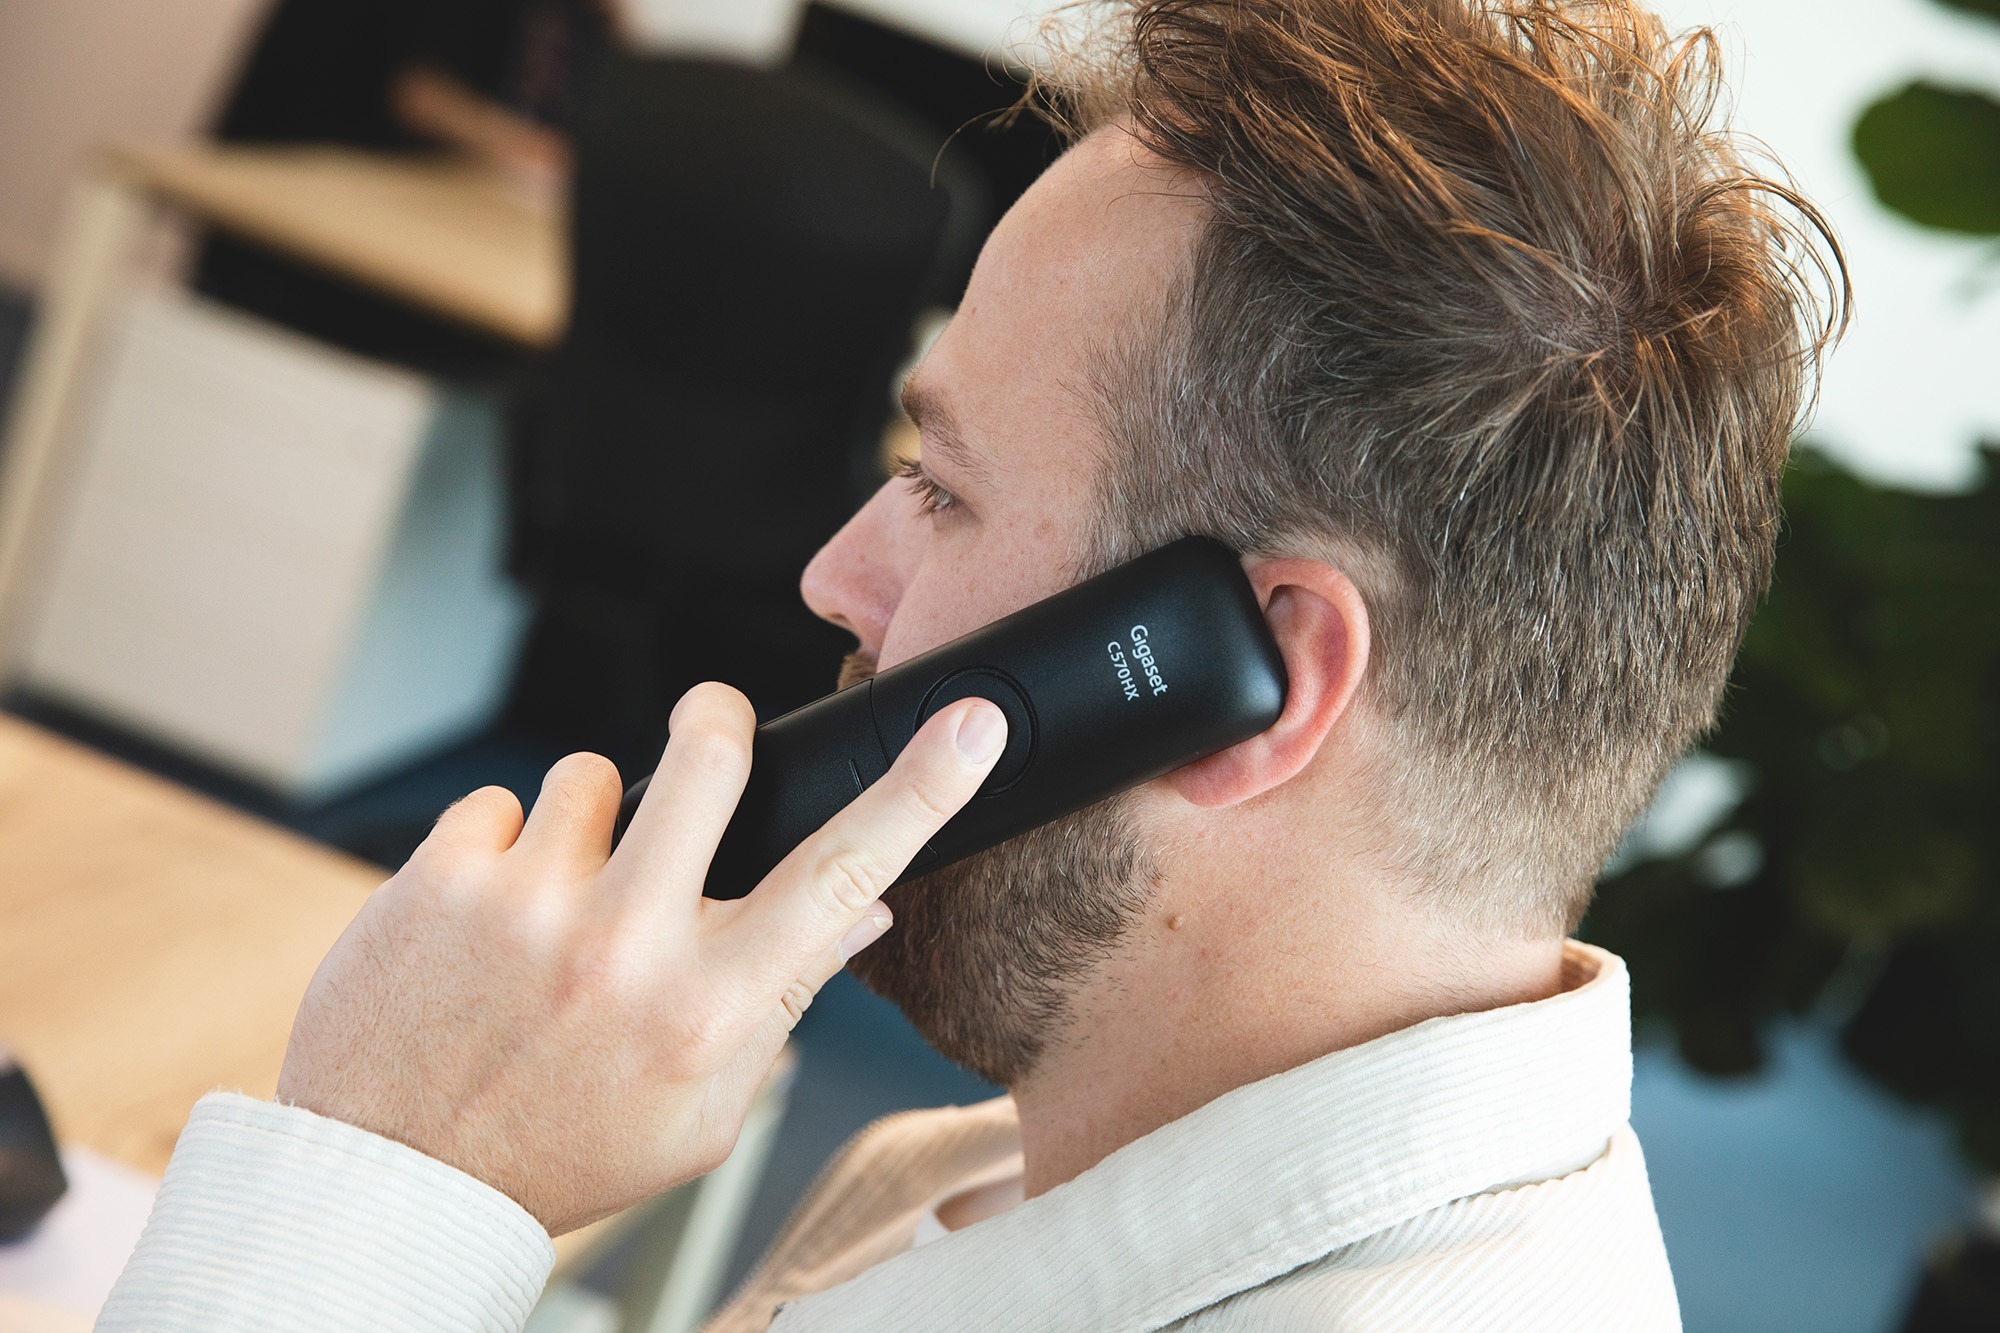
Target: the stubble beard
(986, 954)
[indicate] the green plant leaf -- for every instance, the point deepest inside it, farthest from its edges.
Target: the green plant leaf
(1933, 154)
(1985, 8)
(1866, 701)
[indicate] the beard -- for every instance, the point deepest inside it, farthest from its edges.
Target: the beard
(987, 953)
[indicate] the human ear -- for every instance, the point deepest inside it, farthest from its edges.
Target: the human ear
(1320, 622)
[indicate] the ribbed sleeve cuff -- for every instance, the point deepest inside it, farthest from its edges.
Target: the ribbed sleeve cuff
(273, 1218)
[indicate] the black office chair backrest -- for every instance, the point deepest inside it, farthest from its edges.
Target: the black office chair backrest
(750, 250)
(973, 100)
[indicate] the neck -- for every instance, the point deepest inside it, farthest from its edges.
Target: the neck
(1170, 1023)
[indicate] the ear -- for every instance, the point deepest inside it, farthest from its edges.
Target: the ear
(1321, 625)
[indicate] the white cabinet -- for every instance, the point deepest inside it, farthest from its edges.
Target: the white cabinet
(276, 556)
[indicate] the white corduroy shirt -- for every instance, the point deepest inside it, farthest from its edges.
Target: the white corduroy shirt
(1474, 1172)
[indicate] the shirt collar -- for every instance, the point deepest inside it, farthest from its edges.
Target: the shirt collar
(1279, 1173)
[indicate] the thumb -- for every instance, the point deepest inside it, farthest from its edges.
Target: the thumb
(791, 923)
(774, 1027)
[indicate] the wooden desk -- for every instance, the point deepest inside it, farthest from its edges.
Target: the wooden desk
(454, 239)
(153, 945)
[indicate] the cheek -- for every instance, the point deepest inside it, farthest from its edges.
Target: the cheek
(1016, 546)
(936, 608)
(964, 584)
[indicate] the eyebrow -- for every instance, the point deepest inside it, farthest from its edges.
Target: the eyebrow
(933, 416)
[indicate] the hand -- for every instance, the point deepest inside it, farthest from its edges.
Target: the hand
(582, 1029)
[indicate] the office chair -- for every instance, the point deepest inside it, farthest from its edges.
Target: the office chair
(750, 248)
(964, 98)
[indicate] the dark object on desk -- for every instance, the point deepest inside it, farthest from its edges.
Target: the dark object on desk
(1126, 676)
(750, 249)
(31, 1174)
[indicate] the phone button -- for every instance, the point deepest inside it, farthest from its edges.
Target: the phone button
(996, 688)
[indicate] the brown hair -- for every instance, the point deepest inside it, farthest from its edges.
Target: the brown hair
(1490, 313)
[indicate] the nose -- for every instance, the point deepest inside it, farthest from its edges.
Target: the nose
(858, 578)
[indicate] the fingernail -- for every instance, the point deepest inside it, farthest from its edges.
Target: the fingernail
(865, 932)
(981, 733)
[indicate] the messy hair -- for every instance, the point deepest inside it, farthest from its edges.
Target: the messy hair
(1490, 310)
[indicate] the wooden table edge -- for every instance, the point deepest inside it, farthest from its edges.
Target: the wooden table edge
(149, 169)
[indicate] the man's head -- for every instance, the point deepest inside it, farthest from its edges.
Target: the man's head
(1461, 322)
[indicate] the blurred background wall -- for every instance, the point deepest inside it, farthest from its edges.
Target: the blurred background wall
(1911, 391)
(80, 73)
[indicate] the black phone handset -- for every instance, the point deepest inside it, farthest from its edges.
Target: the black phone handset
(1126, 676)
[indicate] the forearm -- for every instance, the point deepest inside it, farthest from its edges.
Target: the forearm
(271, 1217)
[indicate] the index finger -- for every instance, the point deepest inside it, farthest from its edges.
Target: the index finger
(803, 908)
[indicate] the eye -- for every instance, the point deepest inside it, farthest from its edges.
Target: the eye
(931, 497)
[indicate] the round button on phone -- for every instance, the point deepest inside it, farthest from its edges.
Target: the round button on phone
(997, 689)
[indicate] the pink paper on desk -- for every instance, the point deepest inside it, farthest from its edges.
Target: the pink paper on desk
(71, 1259)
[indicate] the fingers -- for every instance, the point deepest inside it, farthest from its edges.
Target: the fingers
(805, 907)
(693, 793)
(485, 823)
(872, 926)
(774, 1026)
(569, 830)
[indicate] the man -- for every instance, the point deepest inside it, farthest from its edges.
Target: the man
(1456, 321)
